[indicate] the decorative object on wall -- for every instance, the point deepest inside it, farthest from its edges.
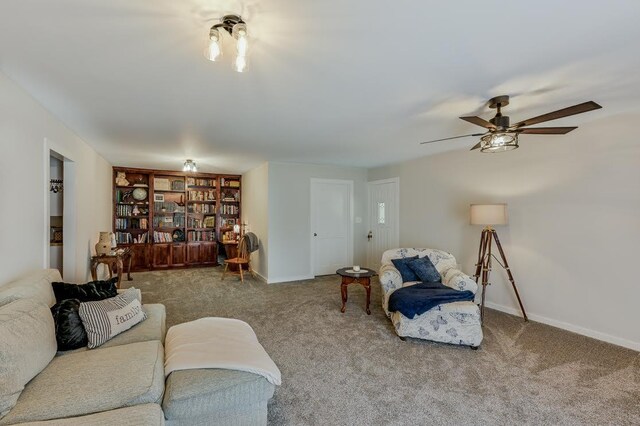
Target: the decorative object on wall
(158, 198)
(489, 215)
(55, 185)
(502, 136)
(189, 166)
(236, 28)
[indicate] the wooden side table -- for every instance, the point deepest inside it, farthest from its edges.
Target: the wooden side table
(349, 277)
(115, 260)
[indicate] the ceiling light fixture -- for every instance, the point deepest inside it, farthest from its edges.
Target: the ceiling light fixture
(189, 166)
(237, 28)
(499, 142)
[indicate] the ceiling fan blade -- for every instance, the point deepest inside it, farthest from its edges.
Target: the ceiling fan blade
(476, 146)
(564, 112)
(479, 122)
(546, 130)
(454, 137)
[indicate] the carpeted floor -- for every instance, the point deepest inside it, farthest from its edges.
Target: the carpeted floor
(351, 368)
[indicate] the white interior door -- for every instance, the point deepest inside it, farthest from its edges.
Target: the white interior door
(331, 225)
(384, 219)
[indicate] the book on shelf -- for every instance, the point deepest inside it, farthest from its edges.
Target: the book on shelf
(201, 236)
(229, 209)
(191, 181)
(232, 183)
(202, 195)
(162, 237)
(127, 238)
(202, 208)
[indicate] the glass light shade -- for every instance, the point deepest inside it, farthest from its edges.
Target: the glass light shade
(498, 142)
(240, 64)
(213, 51)
(489, 214)
(189, 166)
(239, 32)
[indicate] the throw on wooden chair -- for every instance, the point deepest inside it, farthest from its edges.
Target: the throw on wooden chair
(244, 258)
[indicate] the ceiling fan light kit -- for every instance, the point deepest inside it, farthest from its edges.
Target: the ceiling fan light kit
(498, 142)
(235, 27)
(502, 136)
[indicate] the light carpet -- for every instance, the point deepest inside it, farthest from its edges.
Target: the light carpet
(352, 369)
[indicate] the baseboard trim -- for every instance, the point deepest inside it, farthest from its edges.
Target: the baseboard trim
(260, 277)
(289, 279)
(619, 341)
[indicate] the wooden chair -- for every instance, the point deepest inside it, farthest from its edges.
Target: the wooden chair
(243, 259)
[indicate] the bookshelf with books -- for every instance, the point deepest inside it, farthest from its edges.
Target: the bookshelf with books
(173, 219)
(229, 209)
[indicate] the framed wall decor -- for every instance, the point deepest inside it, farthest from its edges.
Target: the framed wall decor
(158, 198)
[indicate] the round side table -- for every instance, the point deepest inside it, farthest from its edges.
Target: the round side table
(363, 278)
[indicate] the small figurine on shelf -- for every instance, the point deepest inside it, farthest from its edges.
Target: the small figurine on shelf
(121, 179)
(135, 211)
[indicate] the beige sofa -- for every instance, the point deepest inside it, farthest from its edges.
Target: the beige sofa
(122, 382)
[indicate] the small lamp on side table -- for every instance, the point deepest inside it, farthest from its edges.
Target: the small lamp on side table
(489, 215)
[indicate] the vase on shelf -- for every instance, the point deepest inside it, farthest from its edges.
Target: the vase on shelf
(103, 246)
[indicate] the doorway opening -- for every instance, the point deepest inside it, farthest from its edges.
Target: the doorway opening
(60, 212)
(56, 211)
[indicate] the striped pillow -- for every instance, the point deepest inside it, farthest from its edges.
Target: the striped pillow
(107, 318)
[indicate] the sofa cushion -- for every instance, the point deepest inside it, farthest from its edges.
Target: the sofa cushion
(89, 292)
(27, 345)
(70, 333)
(138, 415)
(212, 393)
(424, 270)
(92, 381)
(35, 285)
(153, 328)
(402, 265)
(107, 318)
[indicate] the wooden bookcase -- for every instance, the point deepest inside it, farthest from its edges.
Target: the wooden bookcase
(174, 219)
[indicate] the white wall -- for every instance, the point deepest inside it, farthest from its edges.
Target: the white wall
(572, 240)
(255, 213)
(290, 211)
(24, 186)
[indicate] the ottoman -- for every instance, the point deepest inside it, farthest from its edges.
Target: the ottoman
(217, 373)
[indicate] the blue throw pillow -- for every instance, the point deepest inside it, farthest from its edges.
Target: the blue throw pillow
(424, 270)
(402, 265)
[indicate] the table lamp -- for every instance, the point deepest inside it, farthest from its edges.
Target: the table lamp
(490, 215)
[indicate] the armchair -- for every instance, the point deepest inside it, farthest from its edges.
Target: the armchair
(457, 323)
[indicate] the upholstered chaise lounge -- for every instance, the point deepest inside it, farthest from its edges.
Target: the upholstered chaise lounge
(457, 323)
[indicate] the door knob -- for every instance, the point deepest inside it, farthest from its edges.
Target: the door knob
(369, 236)
(315, 235)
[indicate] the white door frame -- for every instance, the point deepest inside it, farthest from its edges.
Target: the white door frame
(396, 226)
(312, 218)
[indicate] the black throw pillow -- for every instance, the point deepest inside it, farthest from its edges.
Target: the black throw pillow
(70, 333)
(89, 292)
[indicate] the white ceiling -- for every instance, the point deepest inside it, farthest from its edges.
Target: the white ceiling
(353, 83)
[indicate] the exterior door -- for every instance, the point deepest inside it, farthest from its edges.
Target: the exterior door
(331, 225)
(384, 220)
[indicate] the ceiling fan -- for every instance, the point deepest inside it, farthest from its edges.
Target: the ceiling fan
(503, 136)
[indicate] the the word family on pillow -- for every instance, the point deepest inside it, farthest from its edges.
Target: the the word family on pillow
(107, 318)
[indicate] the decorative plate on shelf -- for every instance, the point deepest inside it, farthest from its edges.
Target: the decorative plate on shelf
(140, 194)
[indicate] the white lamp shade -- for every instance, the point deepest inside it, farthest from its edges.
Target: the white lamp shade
(489, 214)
